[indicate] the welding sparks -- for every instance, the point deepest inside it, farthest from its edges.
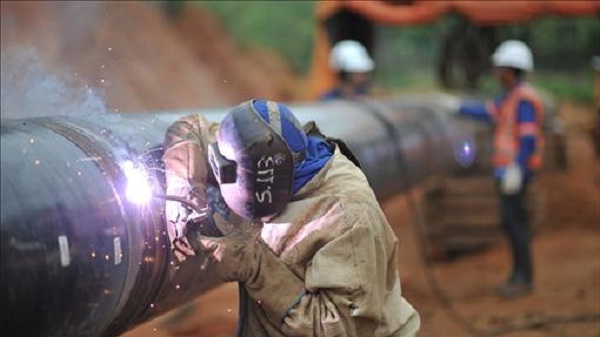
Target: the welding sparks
(138, 188)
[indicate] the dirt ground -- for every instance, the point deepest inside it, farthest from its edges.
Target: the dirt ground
(140, 61)
(456, 298)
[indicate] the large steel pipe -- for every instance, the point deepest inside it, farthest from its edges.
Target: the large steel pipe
(80, 259)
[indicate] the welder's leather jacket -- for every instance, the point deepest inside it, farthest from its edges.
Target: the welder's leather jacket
(335, 239)
(186, 169)
(185, 155)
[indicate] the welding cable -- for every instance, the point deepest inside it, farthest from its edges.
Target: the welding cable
(200, 211)
(243, 296)
(418, 223)
(374, 110)
(242, 310)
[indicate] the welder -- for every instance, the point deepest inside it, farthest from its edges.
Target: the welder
(517, 115)
(313, 254)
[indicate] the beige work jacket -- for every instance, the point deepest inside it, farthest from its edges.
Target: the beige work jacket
(334, 236)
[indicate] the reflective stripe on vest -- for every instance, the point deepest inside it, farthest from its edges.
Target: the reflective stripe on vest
(508, 131)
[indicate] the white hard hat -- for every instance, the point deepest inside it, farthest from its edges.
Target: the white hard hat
(513, 54)
(350, 56)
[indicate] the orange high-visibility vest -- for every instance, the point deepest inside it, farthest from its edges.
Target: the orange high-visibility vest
(508, 130)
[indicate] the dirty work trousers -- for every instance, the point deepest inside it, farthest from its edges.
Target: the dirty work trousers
(515, 222)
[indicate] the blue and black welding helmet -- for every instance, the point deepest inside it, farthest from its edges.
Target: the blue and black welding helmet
(253, 162)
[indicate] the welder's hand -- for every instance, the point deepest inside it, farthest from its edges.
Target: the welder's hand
(449, 102)
(179, 214)
(242, 256)
(176, 215)
(186, 170)
(512, 179)
(236, 255)
(182, 249)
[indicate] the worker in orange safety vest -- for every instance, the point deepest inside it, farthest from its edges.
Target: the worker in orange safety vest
(517, 114)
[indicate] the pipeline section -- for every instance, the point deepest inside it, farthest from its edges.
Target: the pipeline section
(79, 258)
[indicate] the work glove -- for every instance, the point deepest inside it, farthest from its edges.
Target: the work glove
(512, 180)
(178, 213)
(449, 102)
(242, 256)
(235, 254)
(213, 221)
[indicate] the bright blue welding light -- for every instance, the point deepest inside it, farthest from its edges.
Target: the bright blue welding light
(464, 152)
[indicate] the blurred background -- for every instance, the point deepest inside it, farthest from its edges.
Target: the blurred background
(120, 57)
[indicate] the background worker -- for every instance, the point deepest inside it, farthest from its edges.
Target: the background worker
(315, 256)
(353, 66)
(517, 114)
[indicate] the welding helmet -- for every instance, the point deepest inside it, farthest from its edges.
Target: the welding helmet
(253, 162)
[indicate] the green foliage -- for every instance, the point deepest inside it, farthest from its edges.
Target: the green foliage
(399, 50)
(564, 43)
(284, 26)
(406, 57)
(574, 86)
(577, 86)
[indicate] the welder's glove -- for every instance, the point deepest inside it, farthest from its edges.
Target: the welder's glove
(177, 213)
(242, 256)
(234, 254)
(182, 249)
(449, 102)
(512, 180)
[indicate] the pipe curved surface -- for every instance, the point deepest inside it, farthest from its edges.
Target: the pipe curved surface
(80, 259)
